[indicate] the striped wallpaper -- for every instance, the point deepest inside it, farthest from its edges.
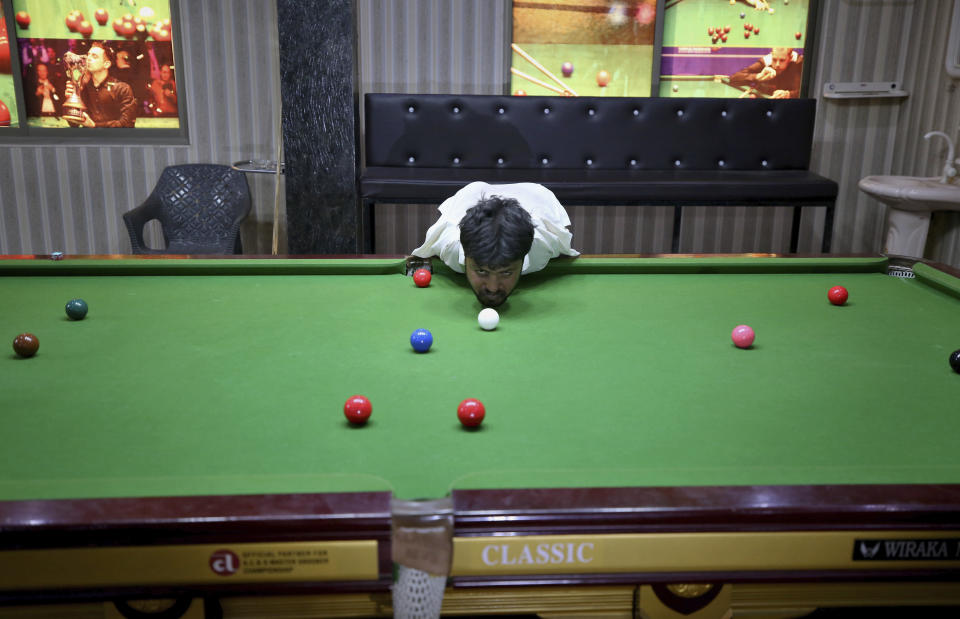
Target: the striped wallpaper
(70, 198)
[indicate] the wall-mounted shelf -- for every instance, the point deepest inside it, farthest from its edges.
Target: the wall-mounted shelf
(863, 90)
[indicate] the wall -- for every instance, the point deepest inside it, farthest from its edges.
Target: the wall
(934, 105)
(407, 46)
(71, 198)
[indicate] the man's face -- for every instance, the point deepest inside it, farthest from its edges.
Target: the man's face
(165, 73)
(42, 71)
(96, 60)
(780, 60)
(493, 285)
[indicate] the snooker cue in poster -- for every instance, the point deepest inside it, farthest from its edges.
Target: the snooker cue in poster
(583, 47)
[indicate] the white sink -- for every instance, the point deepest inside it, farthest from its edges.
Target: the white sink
(911, 200)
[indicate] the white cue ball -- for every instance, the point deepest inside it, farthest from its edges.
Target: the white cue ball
(488, 319)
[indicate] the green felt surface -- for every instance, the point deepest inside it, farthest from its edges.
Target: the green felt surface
(9, 96)
(629, 67)
(685, 23)
(142, 122)
(48, 17)
(222, 377)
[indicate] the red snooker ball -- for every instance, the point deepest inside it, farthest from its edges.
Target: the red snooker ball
(4, 115)
(26, 345)
(471, 412)
(422, 277)
(838, 295)
(73, 20)
(23, 19)
(742, 336)
(357, 409)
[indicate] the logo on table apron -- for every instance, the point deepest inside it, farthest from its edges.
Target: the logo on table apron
(946, 549)
(224, 562)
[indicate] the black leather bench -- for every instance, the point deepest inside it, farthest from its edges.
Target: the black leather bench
(420, 149)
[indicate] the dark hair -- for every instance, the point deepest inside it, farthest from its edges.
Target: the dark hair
(496, 231)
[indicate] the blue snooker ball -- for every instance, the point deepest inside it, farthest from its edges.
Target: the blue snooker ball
(76, 309)
(421, 340)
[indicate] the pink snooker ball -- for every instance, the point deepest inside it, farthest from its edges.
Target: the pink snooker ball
(742, 336)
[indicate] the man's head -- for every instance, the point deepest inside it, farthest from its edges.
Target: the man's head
(780, 58)
(165, 73)
(99, 58)
(42, 71)
(495, 234)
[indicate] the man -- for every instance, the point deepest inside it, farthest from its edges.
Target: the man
(164, 93)
(45, 100)
(110, 103)
(776, 74)
(494, 233)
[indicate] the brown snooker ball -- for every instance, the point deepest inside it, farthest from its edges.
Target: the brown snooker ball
(26, 345)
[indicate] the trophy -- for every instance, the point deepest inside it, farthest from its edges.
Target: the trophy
(73, 107)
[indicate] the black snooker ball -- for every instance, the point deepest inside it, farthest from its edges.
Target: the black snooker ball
(76, 309)
(955, 361)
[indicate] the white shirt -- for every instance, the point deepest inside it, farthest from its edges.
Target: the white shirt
(550, 236)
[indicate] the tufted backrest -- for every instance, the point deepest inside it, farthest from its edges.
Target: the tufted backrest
(606, 133)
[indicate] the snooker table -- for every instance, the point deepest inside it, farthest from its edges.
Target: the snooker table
(186, 439)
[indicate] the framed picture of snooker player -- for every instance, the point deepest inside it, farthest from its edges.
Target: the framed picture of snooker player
(90, 71)
(584, 47)
(736, 48)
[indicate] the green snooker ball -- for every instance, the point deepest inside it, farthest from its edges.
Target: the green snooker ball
(76, 309)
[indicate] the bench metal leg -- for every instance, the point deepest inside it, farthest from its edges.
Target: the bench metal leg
(677, 218)
(828, 228)
(795, 229)
(367, 240)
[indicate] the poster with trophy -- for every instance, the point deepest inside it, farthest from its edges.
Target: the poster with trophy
(89, 63)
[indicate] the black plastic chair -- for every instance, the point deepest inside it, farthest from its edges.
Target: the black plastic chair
(200, 207)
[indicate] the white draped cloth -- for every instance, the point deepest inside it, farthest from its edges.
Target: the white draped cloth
(550, 237)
